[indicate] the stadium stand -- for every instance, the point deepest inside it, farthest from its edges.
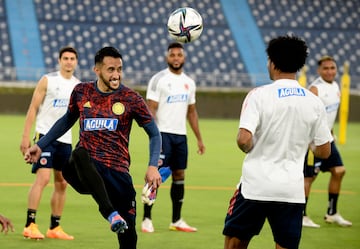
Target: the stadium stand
(329, 27)
(6, 61)
(138, 29)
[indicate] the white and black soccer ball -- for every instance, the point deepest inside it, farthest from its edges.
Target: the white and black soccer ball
(185, 25)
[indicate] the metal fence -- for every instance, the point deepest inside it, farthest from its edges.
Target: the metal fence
(141, 78)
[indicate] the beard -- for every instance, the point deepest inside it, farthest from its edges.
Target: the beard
(176, 68)
(108, 84)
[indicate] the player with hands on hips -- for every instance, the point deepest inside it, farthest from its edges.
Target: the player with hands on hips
(327, 89)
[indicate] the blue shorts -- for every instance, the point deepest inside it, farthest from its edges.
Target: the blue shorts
(313, 165)
(245, 219)
(174, 151)
(55, 156)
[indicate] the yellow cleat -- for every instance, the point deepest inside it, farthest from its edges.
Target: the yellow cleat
(58, 233)
(32, 232)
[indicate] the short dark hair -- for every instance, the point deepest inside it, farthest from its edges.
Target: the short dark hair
(106, 51)
(325, 58)
(288, 53)
(175, 45)
(67, 49)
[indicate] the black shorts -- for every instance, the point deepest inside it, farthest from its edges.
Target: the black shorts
(245, 219)
(120, 188)
(174, 151)
(313, 165)
(55, 156)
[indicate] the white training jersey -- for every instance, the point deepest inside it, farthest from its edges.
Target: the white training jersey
(55, 104)
(329, 93)
(284, 118)
(174, 93)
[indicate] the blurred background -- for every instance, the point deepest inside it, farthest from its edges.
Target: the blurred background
(230, 52)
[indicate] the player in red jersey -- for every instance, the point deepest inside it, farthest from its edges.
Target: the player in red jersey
(100, 163)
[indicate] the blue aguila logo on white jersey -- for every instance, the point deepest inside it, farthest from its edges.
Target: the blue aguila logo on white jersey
(177, 98)
(332, 108)
(286, 92)
(61, 102)
(99, 124)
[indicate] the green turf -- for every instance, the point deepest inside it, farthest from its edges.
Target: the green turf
(210, 182)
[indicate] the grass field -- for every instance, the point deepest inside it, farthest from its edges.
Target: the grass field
(210, 182)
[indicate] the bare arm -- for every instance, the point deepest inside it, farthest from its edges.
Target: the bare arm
(244, 140)
(193, 118)
(322, 151)
(36, 101)
(153, 106)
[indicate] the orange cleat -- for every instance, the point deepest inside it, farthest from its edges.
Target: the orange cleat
(32, 232)
(58, 233)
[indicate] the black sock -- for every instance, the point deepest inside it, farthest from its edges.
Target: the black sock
(55, 221)
(333, 198)
(177, 195)
(306, 201)
(31, 216)
(147, 211)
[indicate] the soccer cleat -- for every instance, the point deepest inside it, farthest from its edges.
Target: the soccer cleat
(32, 232)
(117, 223)
(58, 233)
(147, 226)
(307, 222)
(181, 225)
(338, 219)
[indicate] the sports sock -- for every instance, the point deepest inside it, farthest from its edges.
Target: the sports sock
(54, 221)
(177, 196)
(306, 201)
(147, 211)
(31, 216)
(333, 198)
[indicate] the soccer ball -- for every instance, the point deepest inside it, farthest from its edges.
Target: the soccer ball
(185, 25)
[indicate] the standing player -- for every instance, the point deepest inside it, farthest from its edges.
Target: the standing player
(171, 99)
(277, 123)
(100, 163)
(328, 91)
(49, 103)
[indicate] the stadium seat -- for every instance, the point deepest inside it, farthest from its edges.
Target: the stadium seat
(6, 61)
(329, 27)
(138, 30)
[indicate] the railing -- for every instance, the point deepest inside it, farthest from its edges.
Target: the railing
(139, 78)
